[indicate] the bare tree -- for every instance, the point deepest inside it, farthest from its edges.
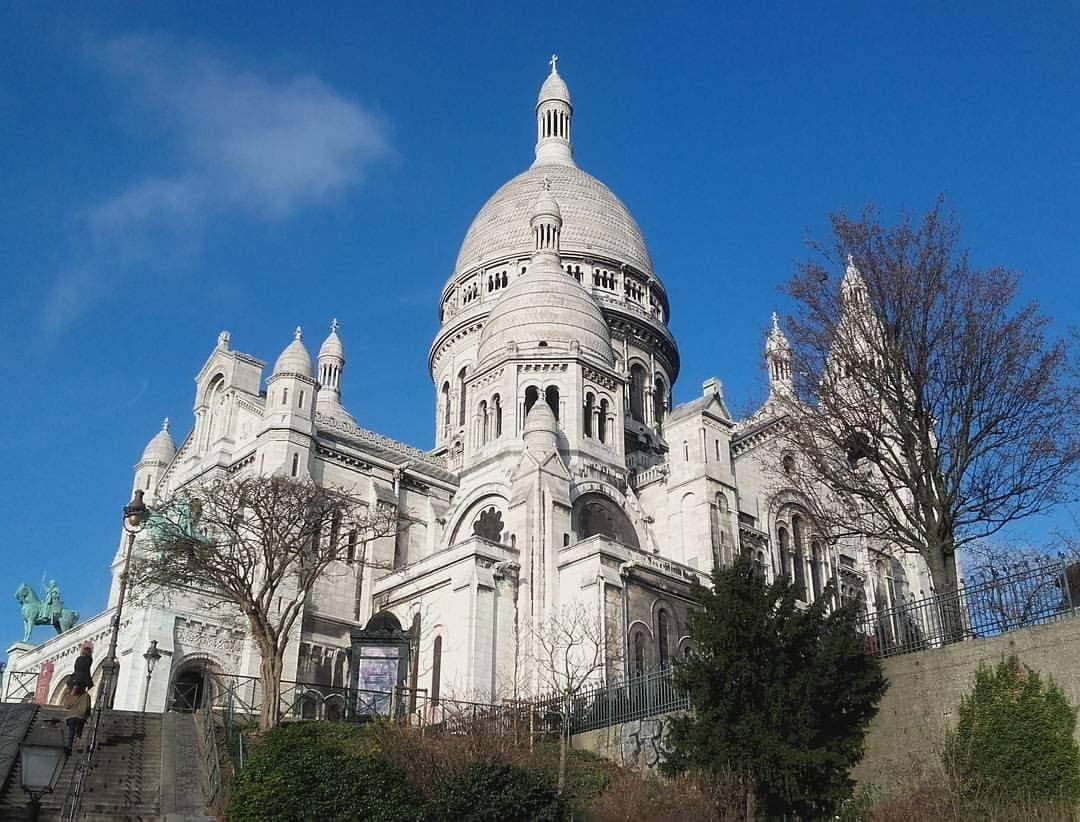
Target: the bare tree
(930, 408)
(260, 544)
(571, 650)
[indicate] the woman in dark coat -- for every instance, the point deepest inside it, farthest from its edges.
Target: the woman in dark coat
(83, 663)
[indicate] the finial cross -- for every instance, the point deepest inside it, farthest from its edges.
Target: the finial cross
(334, 324)
(554, 60)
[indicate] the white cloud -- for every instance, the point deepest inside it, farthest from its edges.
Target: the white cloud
(228, 142)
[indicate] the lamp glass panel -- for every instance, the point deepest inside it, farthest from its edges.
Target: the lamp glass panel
(41, 766)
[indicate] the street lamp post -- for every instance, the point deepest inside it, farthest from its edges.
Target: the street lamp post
(151, 656)
(41, 759)
(135, 516)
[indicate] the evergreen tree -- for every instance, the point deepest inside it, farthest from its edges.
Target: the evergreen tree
(1014, 738)
(781, 694)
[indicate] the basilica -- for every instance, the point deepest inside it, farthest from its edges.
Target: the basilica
(563, 481)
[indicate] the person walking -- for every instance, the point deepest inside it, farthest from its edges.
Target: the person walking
(83, 663)
(78, 711)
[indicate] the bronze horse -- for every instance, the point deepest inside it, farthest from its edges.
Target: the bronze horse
(36, 612)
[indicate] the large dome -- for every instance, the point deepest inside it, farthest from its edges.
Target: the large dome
(595, 222)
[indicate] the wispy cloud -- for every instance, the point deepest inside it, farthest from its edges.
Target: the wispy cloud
(231, 142)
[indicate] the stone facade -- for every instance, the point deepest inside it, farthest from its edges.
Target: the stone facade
(562, 476)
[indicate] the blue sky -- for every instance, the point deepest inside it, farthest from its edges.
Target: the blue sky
(168, 173)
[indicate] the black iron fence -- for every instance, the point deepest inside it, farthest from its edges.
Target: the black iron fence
(986, 604)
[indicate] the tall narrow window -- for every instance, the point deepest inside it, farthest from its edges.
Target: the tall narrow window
(436, 669)
(637, 392)
(295, 464)
(798, 535)
(461, 395)
(662, 637)
(300, 400)
(551, 396)
(496, 409)
(335, 532)
(601, 422)
(815, 567)
(639, 653)
(785, 551)
(483, 413)
(446, 407)
(587, 421)
(686, 451)
(284, 396)
(532, 394)
(350, 551)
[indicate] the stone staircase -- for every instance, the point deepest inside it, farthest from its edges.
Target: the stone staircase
(125, 781)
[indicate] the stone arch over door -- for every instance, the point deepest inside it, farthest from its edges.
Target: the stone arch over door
(595, 514)
(193, 680)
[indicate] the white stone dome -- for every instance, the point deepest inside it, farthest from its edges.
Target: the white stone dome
(332, 346)
(595, 222)
(554, 88)
(295, 359)
(161, 447)
(546, 308)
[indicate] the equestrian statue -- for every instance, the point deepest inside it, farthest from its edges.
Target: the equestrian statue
(49, 610)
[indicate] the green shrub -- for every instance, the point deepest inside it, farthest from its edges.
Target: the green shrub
(319, 771)
(1014, 738)
(496, 792)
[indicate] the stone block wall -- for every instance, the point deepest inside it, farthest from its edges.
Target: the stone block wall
(925, 690)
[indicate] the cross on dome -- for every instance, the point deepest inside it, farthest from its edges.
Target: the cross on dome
(554, 63)
(298, 334)
(334, 325)
(553, 116)
(165, 424)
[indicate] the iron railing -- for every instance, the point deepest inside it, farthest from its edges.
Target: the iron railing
(20, 686)
(985, 605)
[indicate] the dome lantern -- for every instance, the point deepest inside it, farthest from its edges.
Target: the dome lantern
(553, 116)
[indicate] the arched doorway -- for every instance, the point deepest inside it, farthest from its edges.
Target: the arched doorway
(192, 684)
(593, 514)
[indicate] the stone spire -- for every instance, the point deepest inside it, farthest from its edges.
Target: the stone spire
(331, 364)
(554, 114)
(778, 358)
(546, 223)
(853, 286)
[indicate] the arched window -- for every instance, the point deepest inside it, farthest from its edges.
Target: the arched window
(686, 451)
(658, 397)
(587, 421)
(300, 400)
(601, 422)
(815, 567)
(461, 395)
(532, 394)
(446, 407)
(662, 627)
(496, 410)
(482, 412)
(637, 392)
(799, 535)
(785, 551)
(639, 653)
(551, 396)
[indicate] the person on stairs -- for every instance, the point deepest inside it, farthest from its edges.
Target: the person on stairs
(83, 663)
(78, 711)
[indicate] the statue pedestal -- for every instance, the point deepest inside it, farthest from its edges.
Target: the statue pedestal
(20, 648)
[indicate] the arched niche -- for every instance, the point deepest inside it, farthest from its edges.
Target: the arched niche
(595, 514)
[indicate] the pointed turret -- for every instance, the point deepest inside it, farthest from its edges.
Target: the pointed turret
(853, 286)
(331, 364)
(157, 455)
(778, 358)
(553, 117)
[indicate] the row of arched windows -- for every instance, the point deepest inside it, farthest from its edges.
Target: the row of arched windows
(497, 281)
(797, 562)
(489, 423)
(638, 400)
(666, 641)
(555, 124)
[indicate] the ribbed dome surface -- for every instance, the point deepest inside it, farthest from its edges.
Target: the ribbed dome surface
(546, 305)
(594, 220)
(554, 88)
(161, 447)
(295, 359)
